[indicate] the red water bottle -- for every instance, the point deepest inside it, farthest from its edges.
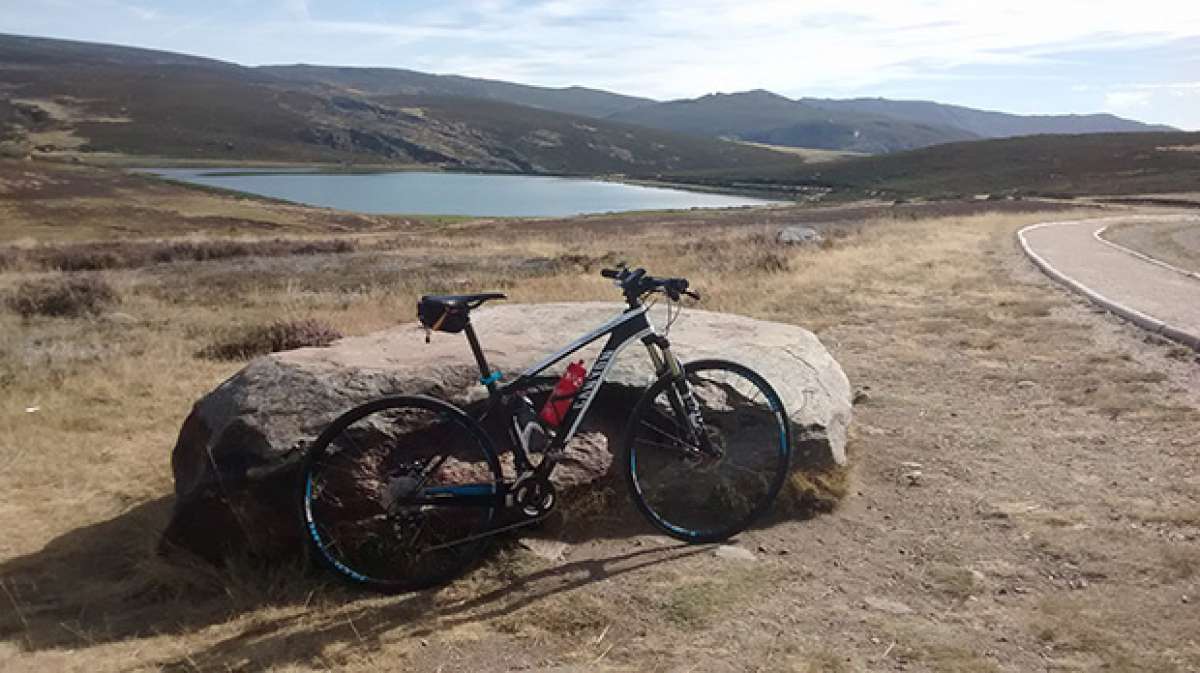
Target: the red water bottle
(556, 406)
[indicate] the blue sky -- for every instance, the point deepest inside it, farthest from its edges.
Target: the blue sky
(1137, 59)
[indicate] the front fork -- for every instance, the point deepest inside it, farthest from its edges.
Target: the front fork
(679, 393)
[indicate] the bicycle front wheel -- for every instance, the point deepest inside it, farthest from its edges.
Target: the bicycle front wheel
(400, 493)
(708, 496)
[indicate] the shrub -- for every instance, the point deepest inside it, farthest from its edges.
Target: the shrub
(278, 336)
(71, 296)
(9, 258)
(770, 262)
(128, 255)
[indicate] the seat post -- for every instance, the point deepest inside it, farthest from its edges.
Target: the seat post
(485, 372)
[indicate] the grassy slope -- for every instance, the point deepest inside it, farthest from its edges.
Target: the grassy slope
(45, 201)
(976, 370)
(984, 123)
(394, 81)
(1123, 163)
(111, 99)
(762, 116)
(567, 143)
(1176, 243)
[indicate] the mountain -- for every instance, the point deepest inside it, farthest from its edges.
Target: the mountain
(40, 52)
(387, 81)
(762, 116)
(72, 96)
(871, 125)
(60, 96)
(983, 123)
(1043, 165)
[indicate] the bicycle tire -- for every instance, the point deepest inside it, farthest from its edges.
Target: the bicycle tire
(398, 438)
(668, 486)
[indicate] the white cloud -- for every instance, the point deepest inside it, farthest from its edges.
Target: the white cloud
(1127, 100)
(678, 48)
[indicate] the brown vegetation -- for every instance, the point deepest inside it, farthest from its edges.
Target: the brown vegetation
(1176, 243)
(129, 254)
(1053, 524)
(282, 335)
(66, 296)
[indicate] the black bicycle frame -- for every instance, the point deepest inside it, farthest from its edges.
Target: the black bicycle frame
(622, 329)
(632, 324)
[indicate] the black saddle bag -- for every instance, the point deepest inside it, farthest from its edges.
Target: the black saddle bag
(439, 316)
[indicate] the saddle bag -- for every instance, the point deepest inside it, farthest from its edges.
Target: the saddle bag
(441, 317)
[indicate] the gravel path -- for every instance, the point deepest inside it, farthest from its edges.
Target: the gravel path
(1156, 297)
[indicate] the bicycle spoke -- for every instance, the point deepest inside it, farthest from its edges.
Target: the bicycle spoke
(710, 500)
(673, 449)
(668, 435)
(360, 481)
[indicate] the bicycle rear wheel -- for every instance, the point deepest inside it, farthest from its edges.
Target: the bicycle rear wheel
(697, 497)
(399, 493)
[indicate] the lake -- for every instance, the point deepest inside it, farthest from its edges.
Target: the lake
(435, 193)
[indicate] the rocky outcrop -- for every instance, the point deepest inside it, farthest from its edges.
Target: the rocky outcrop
(800, 235)
(236, 457)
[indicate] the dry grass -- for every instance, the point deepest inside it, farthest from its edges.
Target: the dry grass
(810, 155)
(282, 335)
(938, 315)
(63, 297)
(1176, 243)
(96, 256)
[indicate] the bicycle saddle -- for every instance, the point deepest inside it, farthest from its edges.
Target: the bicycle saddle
(462, 300)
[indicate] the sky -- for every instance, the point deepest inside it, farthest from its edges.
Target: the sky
(1135, 59)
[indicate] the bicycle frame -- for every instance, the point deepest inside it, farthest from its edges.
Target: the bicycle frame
(631, 324)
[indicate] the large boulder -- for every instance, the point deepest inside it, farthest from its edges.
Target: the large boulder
(236, 459)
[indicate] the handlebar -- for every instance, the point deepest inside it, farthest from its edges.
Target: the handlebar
(636, 283)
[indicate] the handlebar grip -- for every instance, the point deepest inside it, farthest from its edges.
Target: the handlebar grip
(610, 273)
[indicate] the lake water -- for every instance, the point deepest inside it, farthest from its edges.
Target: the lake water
(430, 193)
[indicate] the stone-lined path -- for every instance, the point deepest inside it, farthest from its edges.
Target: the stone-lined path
(1158, 298)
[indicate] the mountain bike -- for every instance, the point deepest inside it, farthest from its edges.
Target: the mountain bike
(403, 493)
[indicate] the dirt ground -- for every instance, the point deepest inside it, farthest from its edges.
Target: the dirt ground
(1054, 524)
(1176, 243)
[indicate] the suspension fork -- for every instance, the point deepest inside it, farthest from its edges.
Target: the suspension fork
(679, 394)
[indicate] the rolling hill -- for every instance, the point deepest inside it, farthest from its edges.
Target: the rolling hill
(984, 123)
(391, 81)
(69, 96)
(61, 97)
(762, 116)
(1045, 165)
(874, 125)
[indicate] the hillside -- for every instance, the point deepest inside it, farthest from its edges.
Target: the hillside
(62, 98)
(869, 125)
(983, 123)
(76, 97)
(1094, 164)
(390, 81)
(761, 116)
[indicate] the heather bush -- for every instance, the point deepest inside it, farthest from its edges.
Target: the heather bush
(283, 335)
(129, 255)
(63, 296)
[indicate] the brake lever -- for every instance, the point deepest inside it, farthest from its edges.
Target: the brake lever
(693, 295)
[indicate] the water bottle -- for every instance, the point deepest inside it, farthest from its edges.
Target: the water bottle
(556, 406)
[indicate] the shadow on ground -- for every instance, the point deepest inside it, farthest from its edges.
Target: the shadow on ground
(105, 583)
